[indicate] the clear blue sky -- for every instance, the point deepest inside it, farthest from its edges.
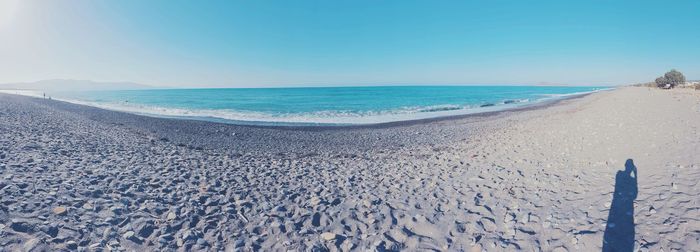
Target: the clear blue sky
(302, 43)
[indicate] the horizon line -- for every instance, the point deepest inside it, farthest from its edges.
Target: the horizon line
(328, 85)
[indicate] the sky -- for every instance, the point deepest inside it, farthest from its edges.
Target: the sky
(326, 43)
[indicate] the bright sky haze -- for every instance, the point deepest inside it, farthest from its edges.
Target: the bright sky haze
(326, 43)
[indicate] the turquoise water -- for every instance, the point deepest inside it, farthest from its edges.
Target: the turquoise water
(322, 105)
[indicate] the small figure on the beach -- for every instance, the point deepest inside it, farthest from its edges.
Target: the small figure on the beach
(44, 95)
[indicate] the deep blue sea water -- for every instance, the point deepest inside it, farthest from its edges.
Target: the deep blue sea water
(321, 105)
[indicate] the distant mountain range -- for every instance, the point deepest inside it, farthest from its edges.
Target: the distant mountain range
(74, 85)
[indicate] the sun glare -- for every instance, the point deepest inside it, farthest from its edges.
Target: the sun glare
(8, 9)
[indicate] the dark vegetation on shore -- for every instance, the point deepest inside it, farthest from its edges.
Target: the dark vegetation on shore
(671, 79)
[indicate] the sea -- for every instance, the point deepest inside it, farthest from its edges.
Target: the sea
(321, 105)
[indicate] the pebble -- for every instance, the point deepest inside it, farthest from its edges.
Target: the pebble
(31, 244)
(51, 230)
(128, 234)
(71, 245)
(315, 201)
(107, 233)
(328, 236)
(60, 210)
(21, 226)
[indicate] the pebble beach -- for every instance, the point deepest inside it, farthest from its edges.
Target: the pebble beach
(543, 178)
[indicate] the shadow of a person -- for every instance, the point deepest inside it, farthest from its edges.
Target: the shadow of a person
(619, 231)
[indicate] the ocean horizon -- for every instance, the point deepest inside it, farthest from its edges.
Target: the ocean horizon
(319, 105)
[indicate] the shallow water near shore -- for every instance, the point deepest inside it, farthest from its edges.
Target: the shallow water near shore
(321, 105)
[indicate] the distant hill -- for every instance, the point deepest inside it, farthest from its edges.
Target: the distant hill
(74, 85)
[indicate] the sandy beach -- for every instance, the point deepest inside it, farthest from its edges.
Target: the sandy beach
(614, 170)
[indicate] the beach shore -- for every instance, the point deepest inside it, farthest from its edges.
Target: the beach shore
(548, 178)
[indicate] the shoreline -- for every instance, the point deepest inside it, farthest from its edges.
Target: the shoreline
(327, 126)
(301, 140)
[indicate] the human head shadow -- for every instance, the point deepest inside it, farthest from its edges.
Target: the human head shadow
(619, 231)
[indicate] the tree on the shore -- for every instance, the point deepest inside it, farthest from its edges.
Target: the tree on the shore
(660, 82)
(671, 78)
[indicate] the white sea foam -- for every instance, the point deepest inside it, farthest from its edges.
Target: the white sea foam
(577, 93)
(310, 118)
(328, 117)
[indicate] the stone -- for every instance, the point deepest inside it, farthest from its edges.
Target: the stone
(31, 146)
(21, 226)
(165, 238)
(60, 210)
(107, 233)
(72, 245)
(280, 209)
(128, 235)
(336, 201)
(171, 216)
(30, 244)
(315, 201)
(328, 236)
(276, 227)
(239, 243)
(96, 193)
(145, 229)
(51, 230)
(22, 185)
(180, 242)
